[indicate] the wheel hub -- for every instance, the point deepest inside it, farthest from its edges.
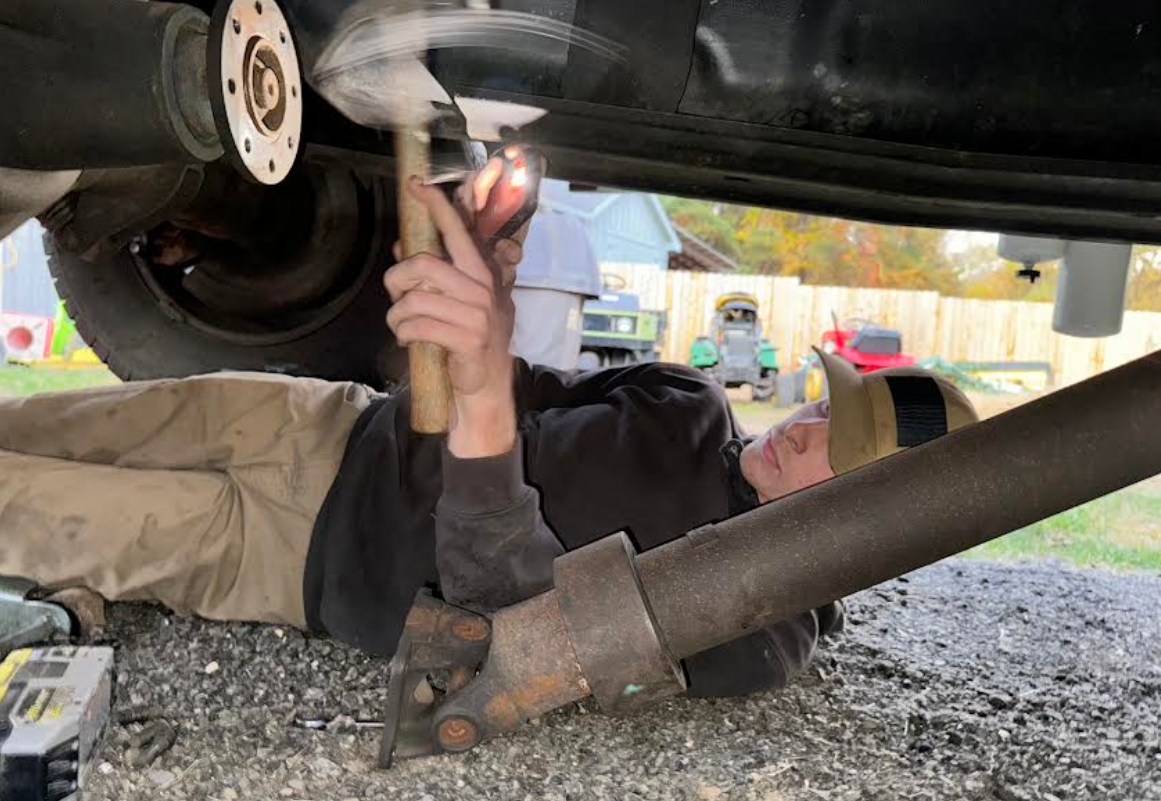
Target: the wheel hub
(259, 106)
(265, 88)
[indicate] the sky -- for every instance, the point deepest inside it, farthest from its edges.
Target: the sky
(959, 241)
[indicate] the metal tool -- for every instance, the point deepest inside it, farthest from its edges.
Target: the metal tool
(513, 198)
(54, 709)
(373, 70)
(24, 621)
(372, 67)
(403, 95)
(338, 724)
(616, 623)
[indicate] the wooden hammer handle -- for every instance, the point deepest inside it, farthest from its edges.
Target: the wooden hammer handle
(430, 387)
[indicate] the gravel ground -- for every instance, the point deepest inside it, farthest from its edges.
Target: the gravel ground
(964, 680)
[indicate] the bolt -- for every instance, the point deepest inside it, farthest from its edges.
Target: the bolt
(269, 91)
(471, 629)
(270, 85)
(458, 734)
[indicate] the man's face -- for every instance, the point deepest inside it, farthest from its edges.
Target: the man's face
(791, 455)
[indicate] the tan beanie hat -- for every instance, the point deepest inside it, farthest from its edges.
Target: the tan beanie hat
(873, 415)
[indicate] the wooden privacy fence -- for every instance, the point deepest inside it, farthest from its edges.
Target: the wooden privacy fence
(958, 329)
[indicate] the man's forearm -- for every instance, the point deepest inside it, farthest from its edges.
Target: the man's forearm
(483, 428)
(484, 424)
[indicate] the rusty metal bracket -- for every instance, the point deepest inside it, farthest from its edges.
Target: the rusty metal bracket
(441, 648)
(531, 669)
(596, 623)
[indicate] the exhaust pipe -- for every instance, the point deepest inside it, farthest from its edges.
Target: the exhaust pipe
(616, 624)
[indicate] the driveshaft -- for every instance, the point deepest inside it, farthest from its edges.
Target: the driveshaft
(616, 623)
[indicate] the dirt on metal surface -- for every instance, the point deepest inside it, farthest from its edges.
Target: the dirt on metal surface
(969, 680)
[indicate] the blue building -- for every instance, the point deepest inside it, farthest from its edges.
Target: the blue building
(573, 236)
(622, 227)
(25, 284)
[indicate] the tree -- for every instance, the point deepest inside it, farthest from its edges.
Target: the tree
(1144, 292)
(988, 276)
(821, 250)
(706, 221)
(830, 251)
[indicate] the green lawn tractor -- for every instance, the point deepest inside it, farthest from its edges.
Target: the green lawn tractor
(734, 352)
(618, 332)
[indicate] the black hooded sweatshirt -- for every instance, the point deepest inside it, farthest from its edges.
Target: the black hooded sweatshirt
(650, 449)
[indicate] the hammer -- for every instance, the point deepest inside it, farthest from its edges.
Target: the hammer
(373, 71)
(427, 362)
(396, 91)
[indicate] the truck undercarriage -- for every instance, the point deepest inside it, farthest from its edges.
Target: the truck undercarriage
(194, 225)
(1029, 120)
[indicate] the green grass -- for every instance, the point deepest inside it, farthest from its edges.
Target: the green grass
(21, 381)
(1120, 531)
(757, 416)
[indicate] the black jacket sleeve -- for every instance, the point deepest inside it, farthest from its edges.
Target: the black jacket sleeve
(492, 546)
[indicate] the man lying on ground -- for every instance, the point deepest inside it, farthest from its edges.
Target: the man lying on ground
(256, 497)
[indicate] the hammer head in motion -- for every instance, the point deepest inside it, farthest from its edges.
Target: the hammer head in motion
(386, 93)
(373, 71)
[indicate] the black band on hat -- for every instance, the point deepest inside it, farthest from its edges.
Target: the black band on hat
(920, 412)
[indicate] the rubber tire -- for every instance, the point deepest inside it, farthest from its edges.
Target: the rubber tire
(132, 331)
(588, 361)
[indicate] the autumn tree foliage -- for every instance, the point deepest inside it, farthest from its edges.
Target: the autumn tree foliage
(985, 275)
(835, 252)
(821, 250)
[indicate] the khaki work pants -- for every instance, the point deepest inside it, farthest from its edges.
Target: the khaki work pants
(198, 493)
